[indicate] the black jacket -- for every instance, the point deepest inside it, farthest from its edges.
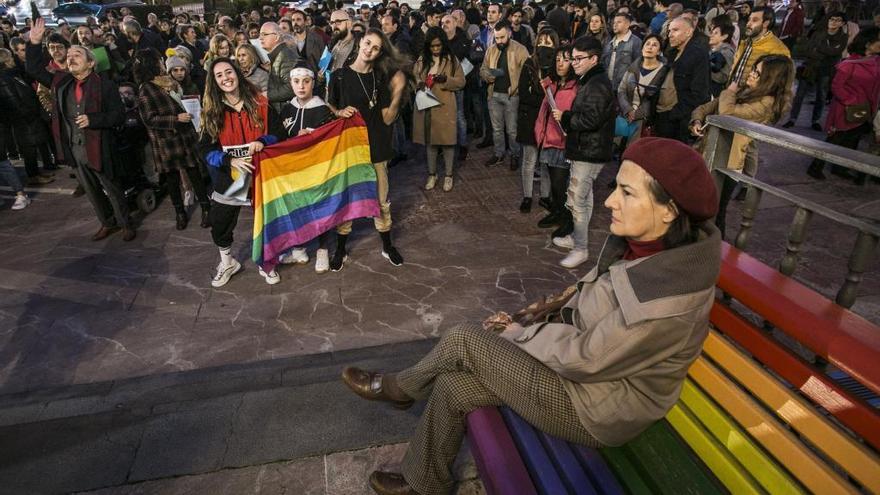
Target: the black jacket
(19, 103)
(691, 78)
(531, 95)
(589, 124)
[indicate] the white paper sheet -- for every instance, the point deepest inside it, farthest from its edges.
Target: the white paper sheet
(466, 66)
(194, 108)
(425, 99)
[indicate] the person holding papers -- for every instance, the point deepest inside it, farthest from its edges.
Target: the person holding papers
(237, 121)
(172, 135)
(439, 72)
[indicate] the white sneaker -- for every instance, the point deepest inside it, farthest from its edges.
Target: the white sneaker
(297, 256)
(575, 258)
(272, 277)
(21, 202)
(432, 181)
(188, 198)
(447, 184)
(225, 272)
(322, 261)
(564, 242)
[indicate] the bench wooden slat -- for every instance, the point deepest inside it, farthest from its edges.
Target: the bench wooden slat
(853, 457)
(736, 478)
(823, 390)
(573, 474)
(759, 465)
(803, 464)
(843, 338)
(667, 464)
(598, 470)
(626, 471)
(543, 473)
(501, 468)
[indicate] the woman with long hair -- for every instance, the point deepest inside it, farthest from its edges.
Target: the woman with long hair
(531, 95)
(763, 98)
(172, 135)
(551, 141)
(249, 62)
(439, 71)
(640, 87)
(373, 85)
(237, 122)
(597, 28)
(856, 82)
(219, 46)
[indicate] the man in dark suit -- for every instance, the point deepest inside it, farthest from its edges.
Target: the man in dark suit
(690, 66)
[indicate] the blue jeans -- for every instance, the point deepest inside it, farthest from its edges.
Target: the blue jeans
(10, 176)
(502, 112)
(820, 83)
(460, 121)
(580, 199)
(530, 160)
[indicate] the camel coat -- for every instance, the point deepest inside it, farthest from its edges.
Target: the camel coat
(439, 121)
(760, 111)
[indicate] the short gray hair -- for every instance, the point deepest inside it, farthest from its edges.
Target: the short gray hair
(90, 57)
(132, 26)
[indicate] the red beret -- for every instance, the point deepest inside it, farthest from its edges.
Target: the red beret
(681, 171)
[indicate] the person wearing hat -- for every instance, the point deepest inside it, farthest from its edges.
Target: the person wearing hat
(596, 365)
(178, 69)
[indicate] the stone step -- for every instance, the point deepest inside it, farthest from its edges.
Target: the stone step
(86, 437)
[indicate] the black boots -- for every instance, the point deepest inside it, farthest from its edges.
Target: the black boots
(206, 210)
(182, 219)
(339, 256)
(389, 252)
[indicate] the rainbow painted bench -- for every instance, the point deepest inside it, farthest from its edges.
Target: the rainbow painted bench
(753, 416)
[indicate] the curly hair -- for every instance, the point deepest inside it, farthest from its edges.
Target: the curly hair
(213, 105)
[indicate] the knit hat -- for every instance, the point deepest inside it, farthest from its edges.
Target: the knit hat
(182, 51)
(175, 61)
(681, 171)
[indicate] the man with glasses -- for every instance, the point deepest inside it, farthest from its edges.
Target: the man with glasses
(589, 128)
(343, 40)
(823, 52)
(282, 59)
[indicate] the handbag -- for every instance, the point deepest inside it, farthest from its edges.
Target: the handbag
(624, 128)
(858, 113)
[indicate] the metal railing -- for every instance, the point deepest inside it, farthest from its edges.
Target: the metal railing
(717, 150)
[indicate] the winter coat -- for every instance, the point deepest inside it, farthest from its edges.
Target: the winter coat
(531, 95)
(720, 63)
(549, 134)
(793, 22)
(856, 80)
(259, 77)
(103, 106)
(173, 142)
(442, 124)
(823, 52)
(282, 60)
(589, 124)
(22, 108)
(516, 57)
(768, 44)
(627, 51)
(626, 342)
(648, 97)
(760, 111)
(690, 69)
(312, 50)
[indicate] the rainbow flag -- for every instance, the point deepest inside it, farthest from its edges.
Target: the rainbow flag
(307, 185)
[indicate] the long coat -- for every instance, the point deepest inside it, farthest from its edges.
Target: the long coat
(23, 108)
(173, 143)
(442, 117)
(759, 110)
(626, 341)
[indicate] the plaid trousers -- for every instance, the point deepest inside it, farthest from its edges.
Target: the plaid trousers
(470, 368)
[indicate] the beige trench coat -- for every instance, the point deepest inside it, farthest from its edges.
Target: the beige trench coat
(630, 334)
(760, 111)
(443, 117)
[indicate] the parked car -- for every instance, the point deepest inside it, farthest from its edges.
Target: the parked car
(75, 13)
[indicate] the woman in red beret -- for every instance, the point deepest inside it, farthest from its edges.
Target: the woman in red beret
(601, 363)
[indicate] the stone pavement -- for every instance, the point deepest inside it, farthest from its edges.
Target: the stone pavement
(120, 367)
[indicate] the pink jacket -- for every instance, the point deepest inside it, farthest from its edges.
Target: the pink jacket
(857, 80)
(548, 133)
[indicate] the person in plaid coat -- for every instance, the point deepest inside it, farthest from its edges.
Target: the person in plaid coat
(172, 135)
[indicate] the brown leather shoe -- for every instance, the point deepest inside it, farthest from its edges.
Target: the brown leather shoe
(104, 233)
(390, 484)
(128, 234)
(369, 386)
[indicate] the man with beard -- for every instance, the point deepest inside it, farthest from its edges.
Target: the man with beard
(83, 37)
(501, 69)
(521, 33)
(759, 41)
(460, 46)
(87, 110)
(282, 59)
(343, 40)
(309, 45)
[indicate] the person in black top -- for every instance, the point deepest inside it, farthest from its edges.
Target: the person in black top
(372, 85)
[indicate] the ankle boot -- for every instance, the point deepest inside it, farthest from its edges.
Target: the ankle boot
(206, 209)
(389, 252)
(340, 255)
(182, 219)
(566, 224)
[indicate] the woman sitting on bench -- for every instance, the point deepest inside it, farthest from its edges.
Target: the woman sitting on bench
(599, 364)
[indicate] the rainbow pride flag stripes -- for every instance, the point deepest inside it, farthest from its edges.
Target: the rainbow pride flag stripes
(307, 185)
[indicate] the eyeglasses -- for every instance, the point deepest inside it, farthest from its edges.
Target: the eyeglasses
(756, 72)
(264, 35)
(337, 21)
(577, 60)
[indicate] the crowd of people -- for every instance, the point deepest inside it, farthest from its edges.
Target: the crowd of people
(557, 91)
